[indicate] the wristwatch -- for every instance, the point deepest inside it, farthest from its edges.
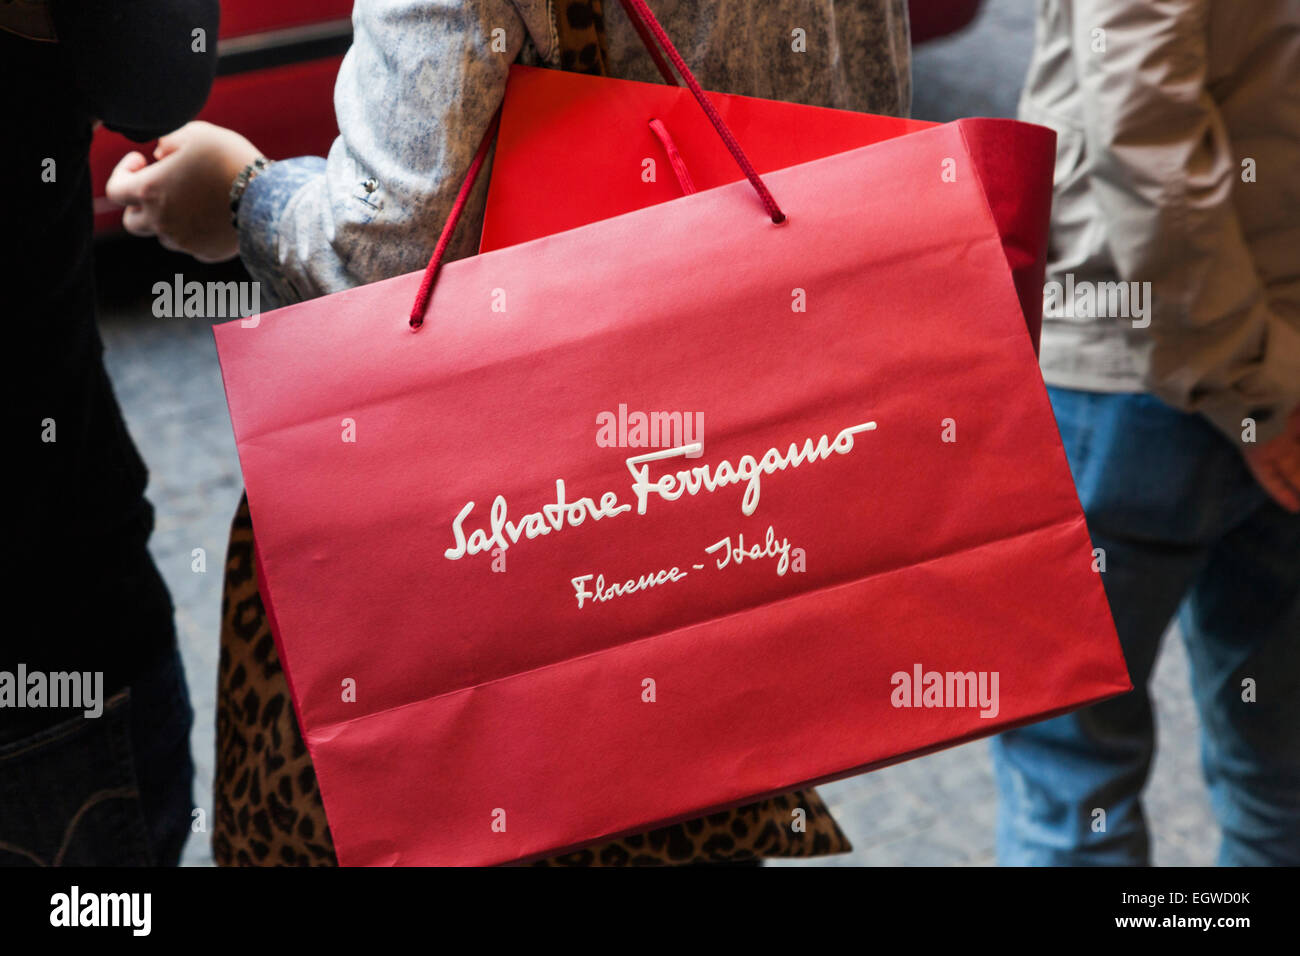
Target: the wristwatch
(237, 188)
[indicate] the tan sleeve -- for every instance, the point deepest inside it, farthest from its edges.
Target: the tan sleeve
(1163, 172)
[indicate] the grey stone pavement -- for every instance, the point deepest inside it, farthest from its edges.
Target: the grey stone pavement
(937, 810)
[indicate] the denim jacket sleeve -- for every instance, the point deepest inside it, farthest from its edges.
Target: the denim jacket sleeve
(413, 97)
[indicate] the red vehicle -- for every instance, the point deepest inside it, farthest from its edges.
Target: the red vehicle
(275, 78)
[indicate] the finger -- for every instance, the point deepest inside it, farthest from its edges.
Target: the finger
(132, 162)
(1280, 488)
(172, 141)
(1288, 461)
(167, 242)
(1289, 476)
(123, 184)
(1288, 499)
(139, 221)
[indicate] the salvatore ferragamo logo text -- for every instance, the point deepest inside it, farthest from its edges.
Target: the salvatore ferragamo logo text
(555, 516)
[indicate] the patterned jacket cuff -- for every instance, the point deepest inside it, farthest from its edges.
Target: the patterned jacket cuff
(260, 214)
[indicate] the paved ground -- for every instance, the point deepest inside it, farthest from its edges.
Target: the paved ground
(934, 811)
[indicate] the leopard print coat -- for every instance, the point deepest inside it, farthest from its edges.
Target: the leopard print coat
(267, 806)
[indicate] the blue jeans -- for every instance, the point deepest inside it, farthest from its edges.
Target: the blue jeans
(1185, 530)
(113, 790)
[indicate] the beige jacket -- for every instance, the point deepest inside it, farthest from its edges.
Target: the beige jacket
(1178, 165)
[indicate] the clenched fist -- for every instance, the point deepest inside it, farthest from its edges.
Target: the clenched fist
(183, 197)
(1276, 464)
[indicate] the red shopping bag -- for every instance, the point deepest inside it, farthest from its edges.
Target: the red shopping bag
(572, 136)
(516, 617)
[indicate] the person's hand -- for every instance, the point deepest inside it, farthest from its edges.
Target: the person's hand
(184, 197)
(1276, 464)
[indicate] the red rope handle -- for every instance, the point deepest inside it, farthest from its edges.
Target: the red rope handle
(652, 48)
(674, 156)
(637, 9)
(449, 227)
(649, 30)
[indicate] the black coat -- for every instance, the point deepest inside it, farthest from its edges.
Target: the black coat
(76, 572)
